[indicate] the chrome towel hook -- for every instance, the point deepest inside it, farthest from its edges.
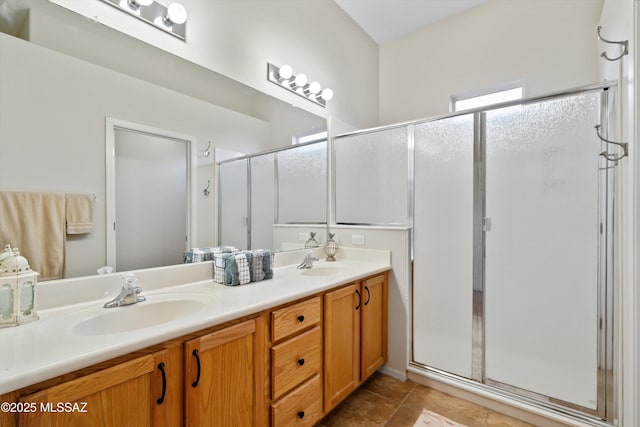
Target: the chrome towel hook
(206, 191)
(611, 157)
(624, 44)
(206, 152)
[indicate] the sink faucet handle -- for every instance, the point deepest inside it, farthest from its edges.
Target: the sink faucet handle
(130, 281)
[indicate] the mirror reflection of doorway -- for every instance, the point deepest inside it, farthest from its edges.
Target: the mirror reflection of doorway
(149, 202)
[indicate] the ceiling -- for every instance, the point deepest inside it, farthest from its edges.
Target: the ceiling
(386, 20)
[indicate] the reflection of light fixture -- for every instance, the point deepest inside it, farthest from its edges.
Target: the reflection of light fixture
(171, 19)
(298, 84)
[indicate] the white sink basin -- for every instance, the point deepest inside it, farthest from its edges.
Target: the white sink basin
(156, 310)
(321, 269)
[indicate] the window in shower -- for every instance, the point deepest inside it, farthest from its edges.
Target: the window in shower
(473, 100)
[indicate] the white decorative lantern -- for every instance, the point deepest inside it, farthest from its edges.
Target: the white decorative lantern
(17, 289)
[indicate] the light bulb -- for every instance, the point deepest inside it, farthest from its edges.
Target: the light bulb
(314, 88)
(176, 13)
(327, 94)
(285, 72)
(300, 80)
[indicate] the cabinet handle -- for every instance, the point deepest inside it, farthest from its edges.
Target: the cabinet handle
(301, 361)
(359, 299)
(164, 383)
(301, 318)
(366, 288)
(197, 356)
(301, 414)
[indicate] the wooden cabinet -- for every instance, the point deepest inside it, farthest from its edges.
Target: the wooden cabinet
(285, 367)
(373, 325)
(355, 336)
(223, 377)
(119, 395)
(167, 385)
(341, 343)
(296, 364)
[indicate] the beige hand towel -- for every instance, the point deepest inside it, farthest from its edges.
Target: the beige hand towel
(79, 212)
(34, 223)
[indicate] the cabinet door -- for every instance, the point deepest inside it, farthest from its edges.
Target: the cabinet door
(116, 396)
(373, 325)
(223, 378)
(167, 386)
(342, 343)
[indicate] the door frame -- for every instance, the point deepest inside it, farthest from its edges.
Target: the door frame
(111, 124)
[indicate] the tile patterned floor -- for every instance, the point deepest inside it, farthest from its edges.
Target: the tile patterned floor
(386, 401)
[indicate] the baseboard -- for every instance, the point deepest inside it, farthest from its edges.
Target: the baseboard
(399, 375)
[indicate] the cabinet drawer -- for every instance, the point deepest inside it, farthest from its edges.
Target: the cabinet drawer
(302, 407)
(295, 360)
(290, 320)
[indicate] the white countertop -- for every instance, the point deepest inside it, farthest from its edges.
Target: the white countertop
(49, 347)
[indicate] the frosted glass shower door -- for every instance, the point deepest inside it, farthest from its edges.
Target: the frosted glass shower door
(541, 251)
(443, 248)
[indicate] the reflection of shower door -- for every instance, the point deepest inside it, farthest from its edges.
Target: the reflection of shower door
(234, 218)
(541, 250)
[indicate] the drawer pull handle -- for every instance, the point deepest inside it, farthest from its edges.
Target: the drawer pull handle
(197, 356)
(164, 383)
(301, 318)
(366, 288)
(301, 414)
(301, 361)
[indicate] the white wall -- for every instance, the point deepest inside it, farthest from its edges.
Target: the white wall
(547, 43)
(617, 21)
(237, 39)
(52, 129)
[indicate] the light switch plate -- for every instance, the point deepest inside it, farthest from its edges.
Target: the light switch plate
(357, 239)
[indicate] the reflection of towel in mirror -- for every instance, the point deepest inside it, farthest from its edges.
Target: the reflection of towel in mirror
(79, 213)
(34, 223)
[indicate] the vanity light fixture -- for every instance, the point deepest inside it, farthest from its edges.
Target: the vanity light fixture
(299, 84)
(171, 19)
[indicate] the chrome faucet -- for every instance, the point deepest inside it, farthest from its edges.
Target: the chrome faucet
(129, 294)
(307, 262)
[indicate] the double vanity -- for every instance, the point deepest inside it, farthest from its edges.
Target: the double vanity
(278, 352)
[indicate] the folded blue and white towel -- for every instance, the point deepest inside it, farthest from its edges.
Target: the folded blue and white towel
(267, 264)
(256, 266)
(240, 268)
(242, 265)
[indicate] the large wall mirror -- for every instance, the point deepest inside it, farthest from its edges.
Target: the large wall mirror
(54, 111)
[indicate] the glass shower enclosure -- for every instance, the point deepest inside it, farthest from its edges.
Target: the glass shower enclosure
(511, 209)
(513, 238)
